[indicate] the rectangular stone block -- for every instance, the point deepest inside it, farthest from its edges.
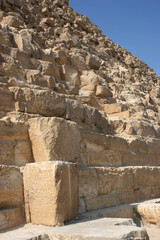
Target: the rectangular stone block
(10, 218)
(22, 153)
(146, 177)
(104, 158)
(114, 180)
(6, 100)
(54, 138)
(139, 159)
(16, 131)
(11, 187)
(51, 192)
(88, 182)
(6, 152)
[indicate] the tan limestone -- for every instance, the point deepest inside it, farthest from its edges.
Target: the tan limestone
(11, 187)
(51, 192)
(54, 138)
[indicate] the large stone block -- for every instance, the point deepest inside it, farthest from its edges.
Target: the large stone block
(6, 100)
(13, 131)
(22, 153)
(10, 218)
(104, 158)
(51, 192)
(11, 187)
(43, 102)
(54, 138)
(88, 182)
(146, 177)
(15, 152)
(6, 152)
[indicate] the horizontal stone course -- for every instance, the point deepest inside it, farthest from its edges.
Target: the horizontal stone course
(108, 186)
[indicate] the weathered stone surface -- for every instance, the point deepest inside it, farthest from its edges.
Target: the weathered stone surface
(23, 153)
(6, 100)
(105, 186)
(43, 102)
(54, 138)
(55, 63)
(13, 131)
(111, 228)
(11, 188)
(51, 192)
(11, 218)
(6, 152)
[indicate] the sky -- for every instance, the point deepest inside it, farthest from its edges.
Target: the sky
(133, 24)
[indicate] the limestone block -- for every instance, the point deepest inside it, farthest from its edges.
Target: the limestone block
(93, 62)
(113, 108)
(103, 91)
(74, 111)
(89, 80)
(114, 180)
(22, 153)
(6, 100)
(23, 43)
(146, 177)
(61, 57)
(54, 138)
(141, 128)
(78, 62)
(10, 218)
(6, 152)
(104, 158)
(71, 75)
(4, 38)
(140, 159)
(51, 192)
(138, 145)
(51, 69)
(43, 102)
(11, 21)
(96, 142)
(88, 182)
(22, 57)
(96, 120)
(15, 131)
(149, 212)
(11, 187)
(117, 143)
(35, 77)
(153, 146)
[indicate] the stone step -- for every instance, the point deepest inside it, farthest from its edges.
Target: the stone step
(108, 150)
(10, 218)
(102, 187)
(125, 211)
(104, 228)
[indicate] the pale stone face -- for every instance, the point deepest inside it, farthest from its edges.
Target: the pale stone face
(54, 138)
(51, 192)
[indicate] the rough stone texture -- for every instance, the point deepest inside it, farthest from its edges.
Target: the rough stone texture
(54, 138)
(82, 97)
(11, 188)
(149, 212)
(51, 192)
(102, 187)
(10, 218)
(105, 228)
